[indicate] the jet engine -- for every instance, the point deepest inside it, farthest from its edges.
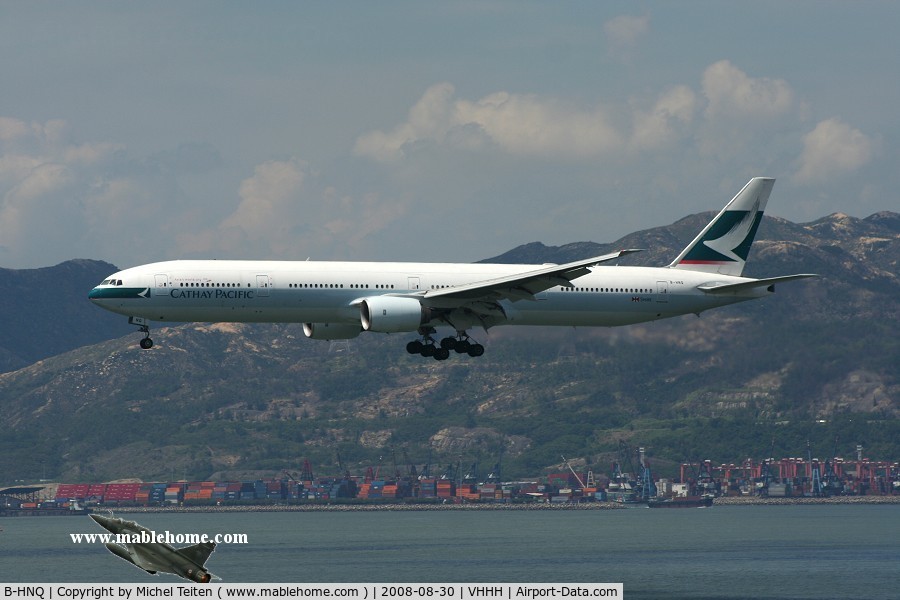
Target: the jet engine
(392, 314)
(198, 575)
(331, 331)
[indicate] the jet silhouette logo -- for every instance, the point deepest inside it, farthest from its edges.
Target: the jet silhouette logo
(729, 239)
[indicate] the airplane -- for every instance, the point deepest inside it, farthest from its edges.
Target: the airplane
(340, 300)
(154, 556)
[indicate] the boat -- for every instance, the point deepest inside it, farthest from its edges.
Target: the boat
(682, 502)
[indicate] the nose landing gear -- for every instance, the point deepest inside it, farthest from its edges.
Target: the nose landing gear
(141, 322)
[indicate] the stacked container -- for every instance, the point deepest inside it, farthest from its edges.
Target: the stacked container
(445, 489)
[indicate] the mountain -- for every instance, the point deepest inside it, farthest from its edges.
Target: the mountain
(44, 312)
(817, 361)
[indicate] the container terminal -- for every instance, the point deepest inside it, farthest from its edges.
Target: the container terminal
(698, 484)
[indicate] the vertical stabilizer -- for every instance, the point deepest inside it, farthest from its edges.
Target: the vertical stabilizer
(723, 245)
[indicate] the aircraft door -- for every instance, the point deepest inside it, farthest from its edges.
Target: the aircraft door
(262, 285)
(662, 291)
(413, 283)
(161, 282)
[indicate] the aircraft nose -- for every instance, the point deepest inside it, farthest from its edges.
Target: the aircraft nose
(102, 521)
(100, 295)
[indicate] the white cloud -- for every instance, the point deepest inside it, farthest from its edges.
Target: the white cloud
(34, 200)
(529, 125)
(89, 154)
(52, 133)
(674, 109)
(60, 199)
(732, 93)
(492, 170)
(268, 199)
(284, 210)
(623, 32)
(16, 167)
(352, 221)
(429, 118)
(11, 129)
(42, 180)
(831, 149)
(520, 124)
(111, 203)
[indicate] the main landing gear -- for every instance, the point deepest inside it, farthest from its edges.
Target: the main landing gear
(462, 344)
(146, 343)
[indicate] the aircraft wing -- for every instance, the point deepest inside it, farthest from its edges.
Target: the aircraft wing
(523, 286)
(733, 288)
(199, 553)
(146, 560)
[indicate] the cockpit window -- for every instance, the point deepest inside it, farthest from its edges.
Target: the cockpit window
(104, 282)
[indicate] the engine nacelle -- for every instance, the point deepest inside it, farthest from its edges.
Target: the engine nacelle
(391, 314)
(331, 331)
(198, 575)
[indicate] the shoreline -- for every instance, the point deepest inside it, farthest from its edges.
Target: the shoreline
(723, 501)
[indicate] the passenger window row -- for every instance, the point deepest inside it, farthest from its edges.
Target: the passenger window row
(213, 285)
(358, 286)
(607, 290)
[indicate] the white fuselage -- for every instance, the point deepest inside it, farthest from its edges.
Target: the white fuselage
(330, 292)
(339, 300)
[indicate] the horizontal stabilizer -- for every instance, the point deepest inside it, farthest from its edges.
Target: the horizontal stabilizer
(733, 288)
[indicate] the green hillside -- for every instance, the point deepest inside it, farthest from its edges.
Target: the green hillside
(817, 361)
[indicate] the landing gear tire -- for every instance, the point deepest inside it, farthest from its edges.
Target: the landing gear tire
(441, 354)
(449, 343)
(428, 350)
(462, 346)
(146, 343)
(415, 347)
(475, 350)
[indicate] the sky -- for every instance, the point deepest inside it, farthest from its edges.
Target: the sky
(134, 132)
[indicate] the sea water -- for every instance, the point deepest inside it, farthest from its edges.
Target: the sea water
(819, 551)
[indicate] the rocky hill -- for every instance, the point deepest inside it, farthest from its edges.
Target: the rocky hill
(816, 361)
(44, 312)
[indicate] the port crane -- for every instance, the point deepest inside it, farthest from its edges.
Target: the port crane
(495, 475)
(577, 477)
(307, 474)
(815, 473)
(766, 472)
(648, 488)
